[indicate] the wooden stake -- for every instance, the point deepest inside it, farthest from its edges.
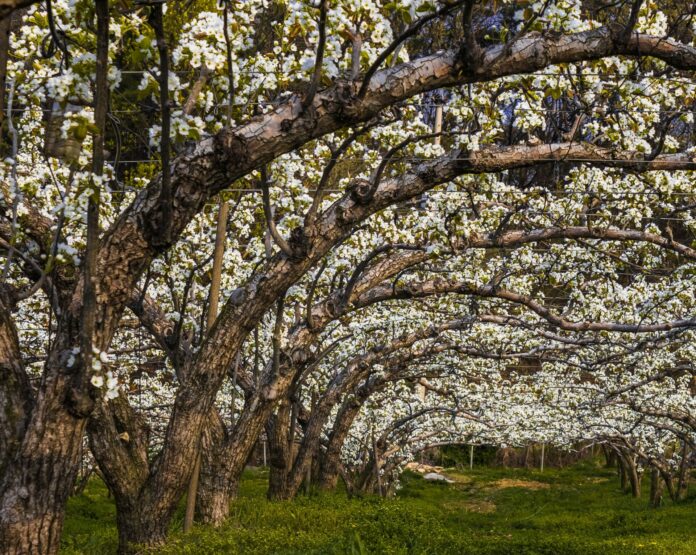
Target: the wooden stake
(220, 234)
(543, 445)
(376, 459)
(437, 127)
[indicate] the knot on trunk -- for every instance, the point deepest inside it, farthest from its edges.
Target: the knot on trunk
(238, 296)
(231, 148)
(299, 243)
(619, 33)
(346, 97)
(361, 191)
(152, 227)
(334, 306)
(79, 403)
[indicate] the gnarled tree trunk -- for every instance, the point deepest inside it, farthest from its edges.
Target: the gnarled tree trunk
(41, 460)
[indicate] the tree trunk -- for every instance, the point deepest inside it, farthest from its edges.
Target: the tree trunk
(669, 482)
(37, 484)
(683, 481)
(330, 466)
(623, 474)
(609, 457)
(231, 457)
(139, 527)
(214, 493)
(43, 447)
(310, 446)
(39, 479)
(280, 452)
(655, 488)
(633, 476)
(16, 397)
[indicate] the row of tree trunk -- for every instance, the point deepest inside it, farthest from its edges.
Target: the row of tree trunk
(632, 466)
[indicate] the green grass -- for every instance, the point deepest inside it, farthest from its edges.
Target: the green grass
(581, 512)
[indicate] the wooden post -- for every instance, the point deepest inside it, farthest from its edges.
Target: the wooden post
(543, 445)
(437, 127)
(471, 456)
(191, 494)
(264, 454)
(220, 234)
(376, 459)
(308, 476)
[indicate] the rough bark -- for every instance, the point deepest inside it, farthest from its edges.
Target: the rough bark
(16, 397)
(280, 451)
(213, 498)
(329, 471)
(39, 476)
(8, 6)
(45, 466)
(237, 319)
(214, 163)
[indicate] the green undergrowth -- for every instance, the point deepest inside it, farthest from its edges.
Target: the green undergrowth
(578, 510)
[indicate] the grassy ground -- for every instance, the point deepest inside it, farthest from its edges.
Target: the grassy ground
(578, 510)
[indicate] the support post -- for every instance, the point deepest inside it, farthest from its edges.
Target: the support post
(220, 233)
(437, 127)
(376, 460)
(543, 446)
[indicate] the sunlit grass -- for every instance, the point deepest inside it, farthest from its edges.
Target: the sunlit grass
(581, 512)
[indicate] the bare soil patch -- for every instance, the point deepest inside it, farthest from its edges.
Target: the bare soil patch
(423, 468)
(527, 484)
